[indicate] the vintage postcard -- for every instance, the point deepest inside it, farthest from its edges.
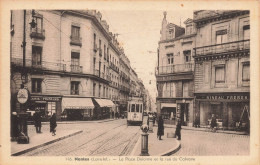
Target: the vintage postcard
(129, 82)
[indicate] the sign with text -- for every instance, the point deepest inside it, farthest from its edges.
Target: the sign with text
(45, 98)
(22, 96)
(224, 97)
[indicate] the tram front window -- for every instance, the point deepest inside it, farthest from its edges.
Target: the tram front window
(133, 108)
(137, 107)
(141, 108)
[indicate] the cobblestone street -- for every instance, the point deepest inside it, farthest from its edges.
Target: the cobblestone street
(113, 138)
(198, 143)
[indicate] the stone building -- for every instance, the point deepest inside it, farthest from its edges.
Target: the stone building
(222, 67)
(66, 62)
(175, 71)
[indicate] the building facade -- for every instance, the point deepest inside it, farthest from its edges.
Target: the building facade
(222, 67)
(175, 71)
(69, 63)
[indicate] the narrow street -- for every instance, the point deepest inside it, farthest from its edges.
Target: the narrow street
(113, 138)
(198, 143)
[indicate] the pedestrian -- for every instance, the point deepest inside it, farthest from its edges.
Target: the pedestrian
(116, 115)
(197, 121)
(178, 129)
(213, 123)
(154, 118)
(53, 124)
(37, 121)
(14, 126)
(160, 131)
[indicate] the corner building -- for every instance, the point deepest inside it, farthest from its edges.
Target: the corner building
(222, 67)
(175, 72)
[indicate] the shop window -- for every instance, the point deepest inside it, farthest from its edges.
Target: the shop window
(51, 108)
(221, 36)
(75, 32)
(141, 108)
(246, 72)
(220, 74)
(74, 89)
(99, 91)
(36, 85)
(187, 55)
(36, 55)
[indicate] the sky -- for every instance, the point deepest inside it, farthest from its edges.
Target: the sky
(139, 34)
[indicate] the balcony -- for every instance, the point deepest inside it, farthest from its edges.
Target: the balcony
(75, 40)
(178, 68)
(76, 68)
(237, 46)
(37, 33)
(40, 65)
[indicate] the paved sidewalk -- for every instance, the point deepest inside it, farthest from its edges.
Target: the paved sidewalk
(156, 147)
(206, 129)
(42, 139)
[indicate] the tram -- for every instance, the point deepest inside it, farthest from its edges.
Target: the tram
(135, 111)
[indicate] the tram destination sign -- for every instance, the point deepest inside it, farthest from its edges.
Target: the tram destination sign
(224, 97)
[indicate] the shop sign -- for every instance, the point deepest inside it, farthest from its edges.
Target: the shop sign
(45, 98)
(227, 97)
(22, 96)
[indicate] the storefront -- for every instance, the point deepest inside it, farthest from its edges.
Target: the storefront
(103, 108)
(230, 109)
(77, 108)
(46, 104)
(168, 110)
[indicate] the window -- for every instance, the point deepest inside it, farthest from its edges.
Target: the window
(99, 91)
(94, 89)
(75, 58)
(75, 32)
(74, 88)
(99, 44)
(220, 74)
(105, 51)
(141, 108)
(133, 108)
(189, 29)
(104, 92)
(36, 55)
(94, 46)
(246, 31)
(246, 72)
(185, 89)
(137, 107)
(221, 36)
(187, 55)
(170, 58)
(36, 85)
(51, 108)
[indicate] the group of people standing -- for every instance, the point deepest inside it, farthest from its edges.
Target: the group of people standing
(160, 131)
(38, 122)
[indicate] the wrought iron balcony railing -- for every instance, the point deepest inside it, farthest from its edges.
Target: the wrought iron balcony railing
(243, 45)
(37, 33)
(39, 65)
(76, 40)
(76, 68)
(178, 68)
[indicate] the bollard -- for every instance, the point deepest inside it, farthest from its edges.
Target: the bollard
(144, 143)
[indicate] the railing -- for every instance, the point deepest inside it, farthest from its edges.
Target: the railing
(75, 40)
(76, 68)
(174, 69)
(37, 33)
(222, 48)
(39, 65)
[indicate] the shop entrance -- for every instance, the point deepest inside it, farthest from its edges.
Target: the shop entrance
(75, 114)
(169, 113)
(184, 114)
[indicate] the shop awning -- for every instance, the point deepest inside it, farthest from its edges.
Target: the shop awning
(105, 103)
(168, 105)
(77, 103)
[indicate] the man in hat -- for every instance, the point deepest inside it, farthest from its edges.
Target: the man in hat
(178, 129)
(37, 121)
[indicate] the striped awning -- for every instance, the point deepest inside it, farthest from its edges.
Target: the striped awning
(77, 103)
(105, 103)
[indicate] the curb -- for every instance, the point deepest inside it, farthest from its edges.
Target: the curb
(78, 122)
(136, 145)
(44, 144)
(170, 152)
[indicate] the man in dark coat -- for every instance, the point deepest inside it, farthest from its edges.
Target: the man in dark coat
(213, 123)
(160, 131)
(37, 121)
(178, 130)
(53, 124)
